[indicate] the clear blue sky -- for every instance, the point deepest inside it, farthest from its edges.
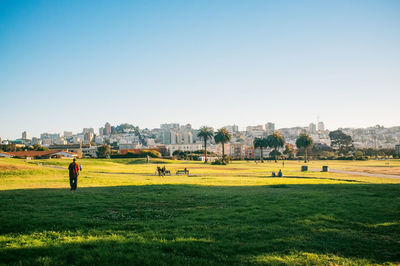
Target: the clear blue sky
(65, 65)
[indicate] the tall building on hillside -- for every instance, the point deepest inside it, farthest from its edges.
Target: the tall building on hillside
(25, 135)
(107, 129)
(55, 136)
(321, 126)
(36, 141)
(165, 137)
(312, 128)
(270, 127)
(169, 126)
(88, 130)
(175, 134)
(88, 136)
(44, 136)
(67, 133)
(254, 128)
(101, 131)
(232, 128)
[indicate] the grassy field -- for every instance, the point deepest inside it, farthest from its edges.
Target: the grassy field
(236, 214)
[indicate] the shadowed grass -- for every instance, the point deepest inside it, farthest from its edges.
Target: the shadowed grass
(181, 224)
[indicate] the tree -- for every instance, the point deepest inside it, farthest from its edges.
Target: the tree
(289, 152)
(222, 136)
(321, 150)
(205, 133)
(103, 151)
(9, 147)
(305, 142)
(38, 147)
(275, 141)
(341, 141)
(260, 143)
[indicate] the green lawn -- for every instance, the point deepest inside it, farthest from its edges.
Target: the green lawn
(235, 214)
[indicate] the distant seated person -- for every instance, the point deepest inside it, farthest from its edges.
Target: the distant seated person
(273, 173)
(280, 173)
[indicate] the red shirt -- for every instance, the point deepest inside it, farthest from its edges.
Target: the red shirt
(73, 169)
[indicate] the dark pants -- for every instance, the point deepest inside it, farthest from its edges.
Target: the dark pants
(73, 181)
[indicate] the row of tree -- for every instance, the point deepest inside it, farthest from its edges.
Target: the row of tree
(12, 147)
(274, 141)
(340, 142)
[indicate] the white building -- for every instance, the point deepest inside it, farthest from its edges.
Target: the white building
(66, 154)
(129, 146)
(183, 147)
(232, 128)
(25, 135)
(270, 127)
(67, 134)
(90, 151)
(254, 128)
(107, 129)
(321, 126)
(312, 128)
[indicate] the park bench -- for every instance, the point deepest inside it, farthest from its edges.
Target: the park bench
(182, 172)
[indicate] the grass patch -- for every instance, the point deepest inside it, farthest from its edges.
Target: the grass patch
(236, 216)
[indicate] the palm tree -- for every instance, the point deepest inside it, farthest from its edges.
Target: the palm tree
(205, 133)
(276, 141)
(222, 136)
(260, 143)
(304, 141)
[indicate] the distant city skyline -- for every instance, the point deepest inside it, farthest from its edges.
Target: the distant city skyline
(69, 132)
(76, 64)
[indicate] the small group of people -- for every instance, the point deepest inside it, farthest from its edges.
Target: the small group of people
(280, 174)
(161, 171)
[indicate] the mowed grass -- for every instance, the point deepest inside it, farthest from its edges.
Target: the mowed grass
(237, 214)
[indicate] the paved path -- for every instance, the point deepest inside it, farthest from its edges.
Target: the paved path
(363, 174)
(52, 166)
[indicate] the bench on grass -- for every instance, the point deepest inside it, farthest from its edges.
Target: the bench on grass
(182, 172)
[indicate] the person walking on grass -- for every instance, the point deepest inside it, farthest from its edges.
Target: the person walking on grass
(73, 174)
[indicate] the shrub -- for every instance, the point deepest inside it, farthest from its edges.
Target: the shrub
(141, 154)
(345, 158)
(219, 162)
(193, 157)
